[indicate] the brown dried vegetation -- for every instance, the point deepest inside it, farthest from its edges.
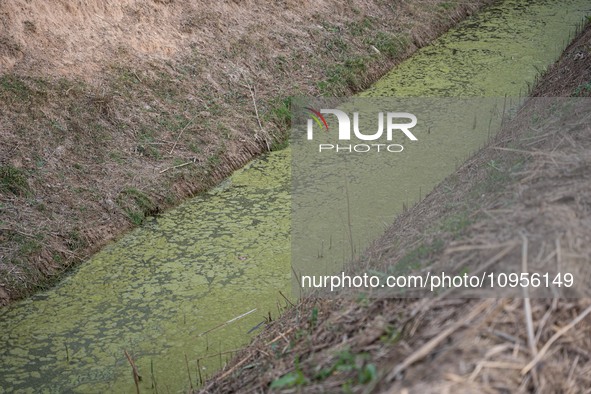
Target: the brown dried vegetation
(114, 110)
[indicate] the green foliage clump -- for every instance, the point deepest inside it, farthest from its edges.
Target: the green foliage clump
(14, 180)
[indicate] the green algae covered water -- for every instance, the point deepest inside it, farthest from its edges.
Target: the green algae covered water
(169, 293)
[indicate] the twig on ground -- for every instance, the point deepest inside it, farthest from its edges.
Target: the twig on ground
(433, 343)
(252, 91)
(529, 323)
(553, 339)
(177, 166)
(228, 372)
(281, 335)
(181, 133)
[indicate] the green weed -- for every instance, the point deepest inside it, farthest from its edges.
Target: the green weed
(75, 241)
(447, 5)
(136, 204)
(416, 257)
(455, 224)
(358, 28)
(14, 180)
(583, 90)
(348, 362)
(388, 44)
(14, 88)
(291, 379)
(280, 113)
(344, 77)
(314, 317)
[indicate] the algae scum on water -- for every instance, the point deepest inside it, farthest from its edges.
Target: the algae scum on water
(156, 291)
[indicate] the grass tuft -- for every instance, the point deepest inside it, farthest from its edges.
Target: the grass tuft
(14, 180)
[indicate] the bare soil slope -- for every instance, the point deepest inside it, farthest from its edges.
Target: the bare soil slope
(524, 198)
(114, 110)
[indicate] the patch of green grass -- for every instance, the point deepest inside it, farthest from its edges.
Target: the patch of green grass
(314, 317)
(329, 27)
(415, 258)
(456, 223)
(447, 5)
(145, 138)
(195, 148)
(280, 112)
(58, 258)
(279, 145)
(344, 76)
(214, 160)
(358, 28)
(496, 176)
(75, 241)
(355, 364)
(116, 157)
(29, 246)
(391, 335)
(124, 79)
(14, 180)
(13, 88)
(136, 204)
(388, 44)
(583, 90)
(290, 379)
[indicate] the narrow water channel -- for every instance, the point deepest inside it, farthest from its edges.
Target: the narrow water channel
(164, 291)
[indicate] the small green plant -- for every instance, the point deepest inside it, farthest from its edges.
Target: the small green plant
(496, 176)
(358, 28)
(280, 113)
(214, 160)
(417, 256)
(583, 90)
(314, 317)
(291, 379)
(75, 240)
(447, 5)
(14, 180)
(136, 204)
(455, 224)
(348, 75)
(15, 87)
(348, 362)
(391, 335)
(29, 246)
(388, 44)
(195, 148)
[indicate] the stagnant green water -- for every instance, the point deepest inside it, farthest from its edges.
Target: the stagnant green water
(160, 288)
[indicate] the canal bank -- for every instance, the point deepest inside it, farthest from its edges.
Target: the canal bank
(95, 139)
(136, 323)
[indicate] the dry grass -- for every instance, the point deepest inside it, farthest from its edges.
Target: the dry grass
(112, 111)
(535, 216)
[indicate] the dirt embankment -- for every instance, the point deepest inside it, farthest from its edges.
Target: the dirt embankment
(114, 110)
(526, 197)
